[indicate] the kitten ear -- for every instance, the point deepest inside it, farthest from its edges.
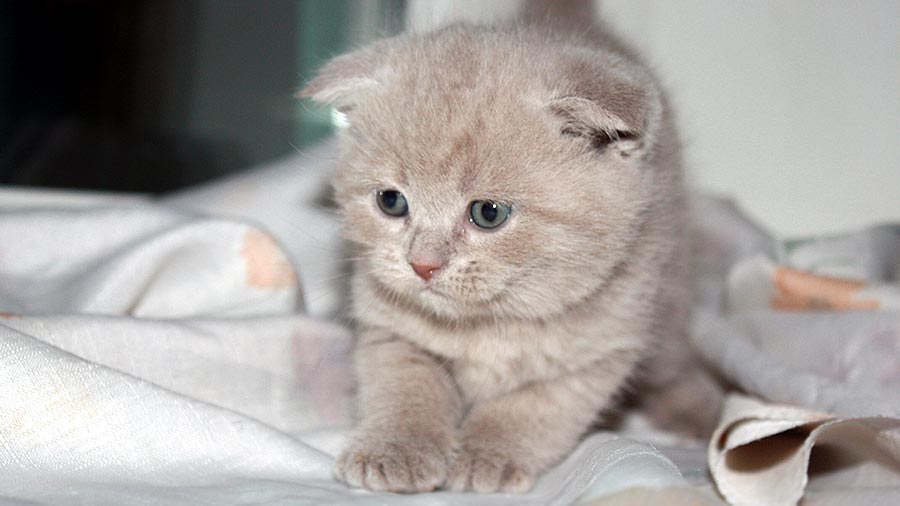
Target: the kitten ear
(346, 80)
(609, 111)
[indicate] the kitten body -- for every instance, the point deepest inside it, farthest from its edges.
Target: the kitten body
(487, 371)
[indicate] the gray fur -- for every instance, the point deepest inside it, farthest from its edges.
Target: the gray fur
(489, 373)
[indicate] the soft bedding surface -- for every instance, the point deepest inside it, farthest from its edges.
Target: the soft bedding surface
(161, 352)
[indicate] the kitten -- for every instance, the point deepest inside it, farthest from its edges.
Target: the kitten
(515, 199)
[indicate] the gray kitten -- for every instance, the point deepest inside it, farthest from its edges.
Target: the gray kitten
(515, 198)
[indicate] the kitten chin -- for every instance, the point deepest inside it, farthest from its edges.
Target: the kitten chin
(515, 195)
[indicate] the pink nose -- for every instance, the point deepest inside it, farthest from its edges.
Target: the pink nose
(425, 271)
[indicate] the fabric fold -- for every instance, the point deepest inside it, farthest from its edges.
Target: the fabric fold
(765, 454)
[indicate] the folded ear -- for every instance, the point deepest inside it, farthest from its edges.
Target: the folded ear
(608, 104)
(346, 80)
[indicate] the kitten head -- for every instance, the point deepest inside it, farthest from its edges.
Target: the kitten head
(491, 173)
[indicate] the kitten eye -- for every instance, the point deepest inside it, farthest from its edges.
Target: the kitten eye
(487, 214)
(392, 203)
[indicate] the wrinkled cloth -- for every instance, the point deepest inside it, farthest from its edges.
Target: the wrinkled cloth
(157, 351)
(810, 328)
(764, 454)
(141, 261)
(153, 354)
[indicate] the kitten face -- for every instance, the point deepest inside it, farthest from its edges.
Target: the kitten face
(557, 132)
(573, 210)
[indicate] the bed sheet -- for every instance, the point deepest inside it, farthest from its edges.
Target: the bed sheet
(159, 351)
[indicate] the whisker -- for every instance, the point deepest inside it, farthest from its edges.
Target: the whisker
(330, 279)
(330, 260)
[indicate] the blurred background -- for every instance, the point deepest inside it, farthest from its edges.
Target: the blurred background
(792, 108)
(154, 95)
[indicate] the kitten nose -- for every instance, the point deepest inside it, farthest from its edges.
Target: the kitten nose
(425, 270)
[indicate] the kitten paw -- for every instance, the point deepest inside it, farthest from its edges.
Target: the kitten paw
(485, 469)
(394, 464)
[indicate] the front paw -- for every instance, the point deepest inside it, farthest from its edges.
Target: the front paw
(395, 463)
(486, 466)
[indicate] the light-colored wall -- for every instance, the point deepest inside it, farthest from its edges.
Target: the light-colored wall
(792, 108)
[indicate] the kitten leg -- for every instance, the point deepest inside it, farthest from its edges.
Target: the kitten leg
(686, 400)
(507, 441)
(409, 408)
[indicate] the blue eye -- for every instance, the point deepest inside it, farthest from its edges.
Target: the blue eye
(487, 214)
(392, 203)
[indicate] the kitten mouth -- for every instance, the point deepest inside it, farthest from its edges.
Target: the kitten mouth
(432, 290)
(441, 297)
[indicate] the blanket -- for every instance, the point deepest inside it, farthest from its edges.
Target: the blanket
(193, 350)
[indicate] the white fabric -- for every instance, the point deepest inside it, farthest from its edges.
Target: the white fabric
(763, 454)
(140, 260)
(288, 198)
(830, 431)
(151, 355)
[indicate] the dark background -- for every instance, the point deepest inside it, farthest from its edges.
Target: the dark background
(154, 95)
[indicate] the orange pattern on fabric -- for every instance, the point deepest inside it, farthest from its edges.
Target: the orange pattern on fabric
(267, 267)
(802, 291)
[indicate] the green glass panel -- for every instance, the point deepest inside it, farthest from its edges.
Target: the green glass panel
(323, 34)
